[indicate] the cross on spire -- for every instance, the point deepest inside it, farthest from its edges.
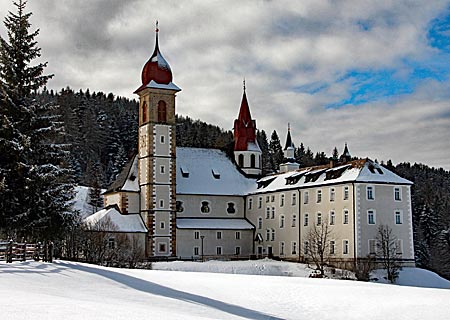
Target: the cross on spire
(157, 29)
(244, 83)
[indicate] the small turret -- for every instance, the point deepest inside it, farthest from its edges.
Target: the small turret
(346, 156)
(289, 163)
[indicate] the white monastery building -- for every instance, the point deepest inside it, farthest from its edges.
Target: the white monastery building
(191, 203)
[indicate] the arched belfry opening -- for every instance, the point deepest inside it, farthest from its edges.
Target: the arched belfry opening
(162, 111)
(144, 112)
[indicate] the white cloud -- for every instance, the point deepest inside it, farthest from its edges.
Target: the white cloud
(277, 46)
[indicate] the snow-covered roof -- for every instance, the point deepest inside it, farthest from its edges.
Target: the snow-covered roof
(253, 146)
(110, 219)
(127, 179)
(207, 223)
(169, 86)
(211, 172)
(354, 171)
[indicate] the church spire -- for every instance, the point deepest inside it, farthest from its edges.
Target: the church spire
(288, 139)
(346, 156)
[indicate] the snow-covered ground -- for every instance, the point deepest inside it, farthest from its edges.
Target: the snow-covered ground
(69, 290)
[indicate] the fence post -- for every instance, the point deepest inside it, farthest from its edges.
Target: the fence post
(9, 252)
(24, 258)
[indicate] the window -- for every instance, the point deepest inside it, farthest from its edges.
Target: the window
(205, 207)
(282, 200)
(306, 197)
(319, 196)
(196, 235)
(179, 206)
(237, 250)
(370, 216)
(294, 220)
(372, 246)
(370, 193)
(399, 246)
(259, 202)
(260, 222)
(252, 161)
(268, 213)
(267, 199)
(345, 246)
(230, 208)
(162, 225)
(111, 243)
(332, 218)
(319, 218)
(162, 116)
(397, 194)
(267, 234)
(144, 112)
(306, 220)
(218, 250)
(161, 203)
(238, 235)
(345, 219)
(219, 235)
(281, 248)
(306, 247)
(294, 247)
(332, 247)
(273, 234)
(273, 213)
(241, 160)
(346, 192)
(272, 198)
(294, 199)
(162, 139)
(250, 203)
(196, 251)
(162, 247)
(398, 217)
(281, 221)
(162, 169)
(332, 194)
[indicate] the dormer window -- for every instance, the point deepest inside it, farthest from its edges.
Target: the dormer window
(184, 172)
(179, 206)
(215, 173)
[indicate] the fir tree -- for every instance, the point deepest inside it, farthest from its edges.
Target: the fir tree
(261, 137)
(275, 151)
(38, 181)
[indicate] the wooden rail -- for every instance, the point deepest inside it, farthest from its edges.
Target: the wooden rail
(15, 251)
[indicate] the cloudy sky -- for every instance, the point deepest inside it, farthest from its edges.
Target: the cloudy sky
(374, 74)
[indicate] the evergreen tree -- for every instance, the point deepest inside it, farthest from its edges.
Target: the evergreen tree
(261, 137)
(335, 154)
(38, 182)
(276, 155)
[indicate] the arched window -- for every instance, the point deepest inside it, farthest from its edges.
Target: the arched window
(241, 160)
(252, 161)
(144, 112)
(162, 114)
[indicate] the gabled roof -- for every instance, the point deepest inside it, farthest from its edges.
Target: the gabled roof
(110, 219)
(209, 172)
(354, 171)
(127, 179)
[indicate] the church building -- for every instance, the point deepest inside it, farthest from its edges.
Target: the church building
(192, 203)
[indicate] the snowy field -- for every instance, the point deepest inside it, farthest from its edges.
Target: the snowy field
(68, 290)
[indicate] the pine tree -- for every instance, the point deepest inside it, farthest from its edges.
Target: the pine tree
(38, 179)
(335, 154)
(261, 137)
(275, 151)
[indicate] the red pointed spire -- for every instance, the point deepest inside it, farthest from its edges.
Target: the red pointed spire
(244, 126)
(156, 68)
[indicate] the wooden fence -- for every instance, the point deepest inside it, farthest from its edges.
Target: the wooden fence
(15, 251)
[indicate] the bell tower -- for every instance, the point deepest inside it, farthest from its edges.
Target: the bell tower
(247, 153)
(157, 155)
